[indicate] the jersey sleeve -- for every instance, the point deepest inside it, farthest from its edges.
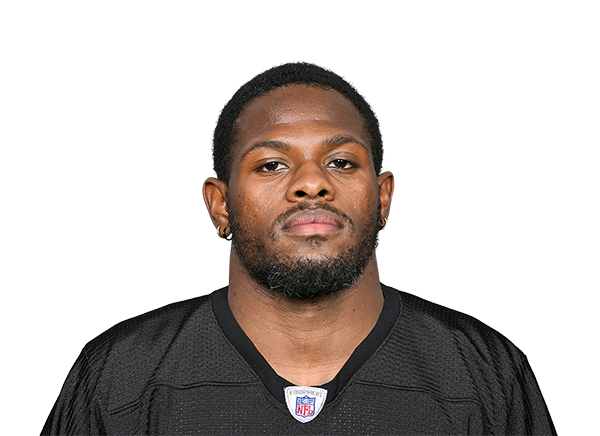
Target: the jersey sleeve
(528, 413)
(76, 411)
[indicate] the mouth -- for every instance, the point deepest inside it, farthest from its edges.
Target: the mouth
(313, 222)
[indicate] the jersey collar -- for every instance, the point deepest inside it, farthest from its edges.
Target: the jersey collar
(276, 384)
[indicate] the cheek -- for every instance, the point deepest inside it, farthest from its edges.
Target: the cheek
(362, 199)
(252, 208)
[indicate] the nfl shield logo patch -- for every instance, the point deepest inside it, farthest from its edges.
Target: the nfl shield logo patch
(304, 402)
(305, 406)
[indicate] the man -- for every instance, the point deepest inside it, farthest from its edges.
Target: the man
(305, 339)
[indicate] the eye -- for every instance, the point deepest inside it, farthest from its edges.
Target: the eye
(340, 164)
(270, 167)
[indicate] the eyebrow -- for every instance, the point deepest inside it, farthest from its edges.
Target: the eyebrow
(343, 139)
(333, 141)
(278, 145)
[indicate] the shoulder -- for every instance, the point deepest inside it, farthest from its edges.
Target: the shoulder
(176, 345)
(447, 328)
(447, 352)
(151, 328)
(438, 358)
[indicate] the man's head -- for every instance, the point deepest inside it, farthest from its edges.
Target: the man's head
(284, 76)
(304, 199)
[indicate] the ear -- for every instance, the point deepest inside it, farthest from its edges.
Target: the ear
(386, 190)
(215, 197)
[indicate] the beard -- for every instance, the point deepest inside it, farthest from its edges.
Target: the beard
(305, 276)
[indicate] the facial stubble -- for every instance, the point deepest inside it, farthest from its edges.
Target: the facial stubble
(304, 276)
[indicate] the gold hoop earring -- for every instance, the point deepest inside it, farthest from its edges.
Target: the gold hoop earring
(383, 222)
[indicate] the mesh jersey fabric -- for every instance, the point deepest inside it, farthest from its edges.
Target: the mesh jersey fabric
(175, 371)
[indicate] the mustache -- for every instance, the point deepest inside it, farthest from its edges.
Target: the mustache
(311, 206)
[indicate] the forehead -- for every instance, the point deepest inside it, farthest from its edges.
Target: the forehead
(295, 108)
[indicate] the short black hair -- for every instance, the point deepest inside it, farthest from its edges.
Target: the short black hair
(277, 77)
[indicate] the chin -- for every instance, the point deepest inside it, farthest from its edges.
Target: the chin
(310, 276)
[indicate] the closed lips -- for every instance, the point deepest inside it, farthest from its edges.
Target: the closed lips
(312, 217)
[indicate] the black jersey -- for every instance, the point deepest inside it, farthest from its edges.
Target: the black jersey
(189, 369)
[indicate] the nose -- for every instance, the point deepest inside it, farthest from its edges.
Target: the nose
(310, 181)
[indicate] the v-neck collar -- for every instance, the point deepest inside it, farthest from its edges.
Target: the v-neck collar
(276, 384)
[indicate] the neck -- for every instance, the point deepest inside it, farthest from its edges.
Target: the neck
(305, 341)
